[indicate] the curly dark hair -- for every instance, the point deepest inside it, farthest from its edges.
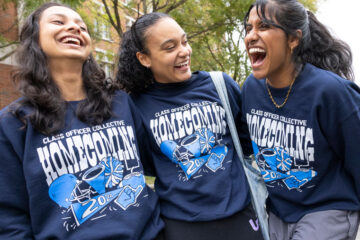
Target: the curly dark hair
(39, 92)
(317, 45)
(131, 75)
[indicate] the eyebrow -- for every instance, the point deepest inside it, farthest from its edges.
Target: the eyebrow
(171, 40)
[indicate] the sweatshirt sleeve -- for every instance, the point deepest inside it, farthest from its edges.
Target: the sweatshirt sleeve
(143, 141)
(234, 94)
(341, 124)
(14, 202)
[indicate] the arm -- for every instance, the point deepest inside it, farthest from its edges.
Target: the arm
(234, 94)
(143, 141)
(342, 128)
(14, 202)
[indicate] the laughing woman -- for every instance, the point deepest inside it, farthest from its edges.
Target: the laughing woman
(199, 179)
(70, 164)
(304, 121)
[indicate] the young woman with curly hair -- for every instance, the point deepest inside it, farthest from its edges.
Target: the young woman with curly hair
(69, 155)
(201, 184)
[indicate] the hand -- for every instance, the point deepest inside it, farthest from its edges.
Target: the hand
(128, 196)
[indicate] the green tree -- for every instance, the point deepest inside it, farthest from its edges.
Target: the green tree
(216, 34)
(214, 28)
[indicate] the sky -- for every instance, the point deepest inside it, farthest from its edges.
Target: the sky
(342, 18)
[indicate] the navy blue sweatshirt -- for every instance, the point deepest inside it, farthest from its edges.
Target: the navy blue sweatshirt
(199, 177)
(86, 182)
(308, 150)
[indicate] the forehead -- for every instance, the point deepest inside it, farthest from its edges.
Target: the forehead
(265, 13)
(255, 15)
(165, 29)
(59, 10)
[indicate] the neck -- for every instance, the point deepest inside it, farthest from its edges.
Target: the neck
(67, 74)
(284, 77)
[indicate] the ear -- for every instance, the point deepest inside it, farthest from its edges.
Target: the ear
(294, 40)
(144, 59)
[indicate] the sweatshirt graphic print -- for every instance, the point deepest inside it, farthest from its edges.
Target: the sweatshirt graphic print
(191, 137)
(91, 171)
(283, 148)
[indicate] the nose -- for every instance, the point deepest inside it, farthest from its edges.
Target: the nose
(251, 37)
(185, 50)
(73, 27)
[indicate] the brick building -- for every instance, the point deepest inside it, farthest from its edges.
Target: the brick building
(8, 29)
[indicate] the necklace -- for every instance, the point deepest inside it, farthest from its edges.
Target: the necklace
(286, 98)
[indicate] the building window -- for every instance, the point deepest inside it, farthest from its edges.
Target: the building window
(102, 29)
(105, 60)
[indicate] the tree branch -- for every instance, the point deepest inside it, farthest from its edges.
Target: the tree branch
(112, 22)
(117, 17)
(212, 27)
(7, 55)
(175, 5)
(213, 55)
(8, 44)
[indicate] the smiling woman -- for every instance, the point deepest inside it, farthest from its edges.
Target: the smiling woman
(304, 122)
(199, 179)
(69, 146)
(63, 35)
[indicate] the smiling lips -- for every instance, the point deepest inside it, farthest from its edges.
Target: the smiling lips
(257, 56)
(71, 40)
(182, 65)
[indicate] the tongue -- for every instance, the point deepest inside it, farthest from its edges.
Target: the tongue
(259, 58)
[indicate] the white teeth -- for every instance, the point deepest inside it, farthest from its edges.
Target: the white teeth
(71, 40)
(256, 50)
(183, 64)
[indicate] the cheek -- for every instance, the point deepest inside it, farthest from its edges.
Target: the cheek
(43, 42)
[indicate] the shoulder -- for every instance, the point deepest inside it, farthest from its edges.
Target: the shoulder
(336, 94)
(328, 83)
(252, 83)
(7, 113)
(9, 123)
(229, 81)
(122, 98)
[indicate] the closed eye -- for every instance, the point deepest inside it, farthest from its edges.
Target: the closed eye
(58, 22)
(247, 28)
(264, 26)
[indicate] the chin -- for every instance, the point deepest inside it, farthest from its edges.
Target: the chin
(184, 77)
(259, 75)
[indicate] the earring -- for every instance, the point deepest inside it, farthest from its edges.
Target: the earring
(291, 50)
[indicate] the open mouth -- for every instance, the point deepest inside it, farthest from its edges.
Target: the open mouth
(182, 65)
(74, 41)
(257, 56)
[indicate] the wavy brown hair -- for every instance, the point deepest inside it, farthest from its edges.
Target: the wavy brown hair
(40, 93)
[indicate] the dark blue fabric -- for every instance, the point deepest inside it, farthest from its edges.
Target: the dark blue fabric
(86, 182)
(242, 225)
(199, 177)
(308, 150)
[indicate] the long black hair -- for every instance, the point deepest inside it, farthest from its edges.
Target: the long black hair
(131, 75)
(40, 93)
(317, 46)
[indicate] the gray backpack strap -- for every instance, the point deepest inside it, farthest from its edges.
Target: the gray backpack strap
(256, 183)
